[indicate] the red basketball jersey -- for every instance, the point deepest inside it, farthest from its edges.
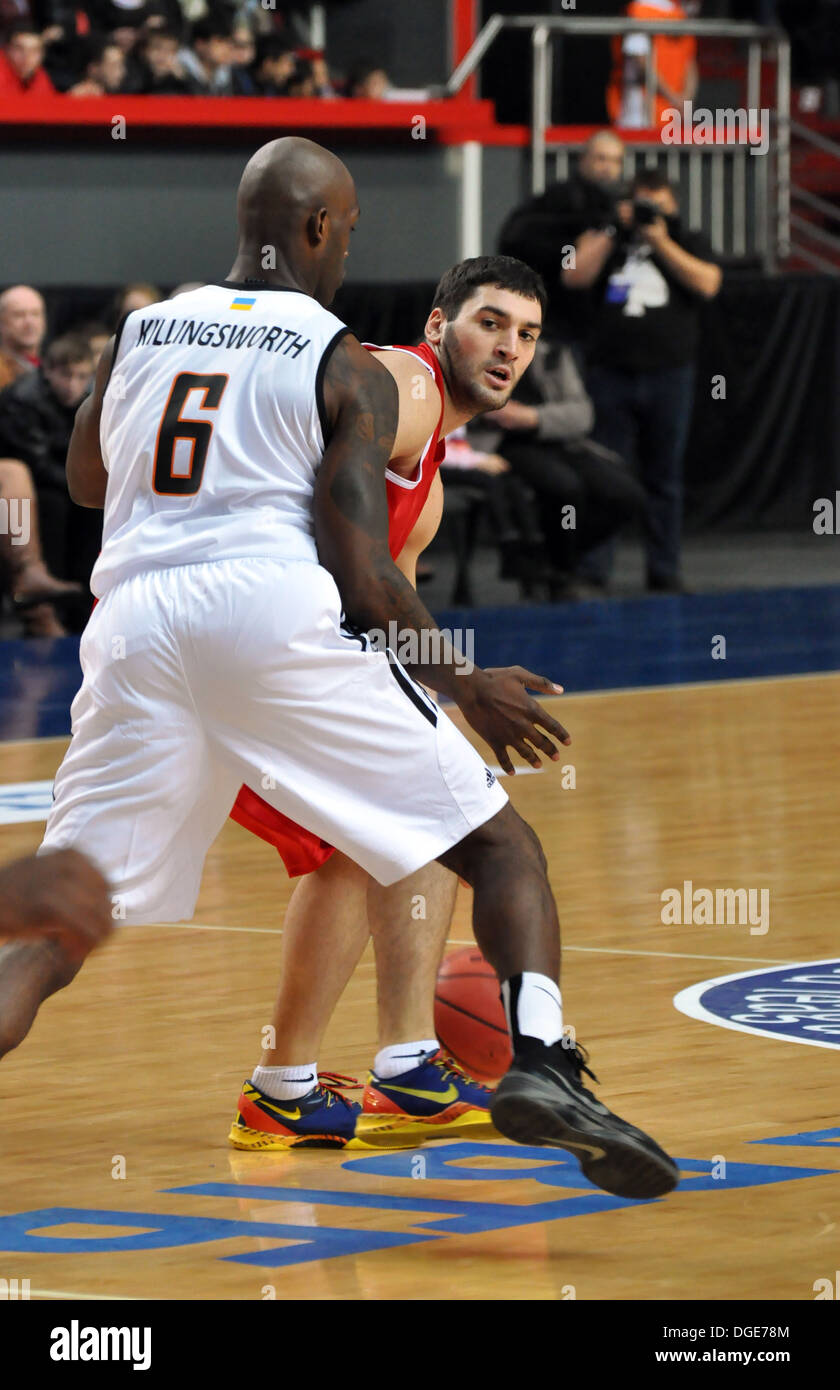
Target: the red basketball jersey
(407, 496)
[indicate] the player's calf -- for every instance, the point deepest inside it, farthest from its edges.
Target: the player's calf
(514, 914)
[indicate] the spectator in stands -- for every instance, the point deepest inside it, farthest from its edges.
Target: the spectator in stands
(104, 69)
(34, 590)
(208, 61)
(21, 63)
(131, 297)
(302, 81)
(650, 277)
(96, 336)
(369, 81)
(158, 68)
(273, 68)
(244, 45)
(36, 420)
(542, 230)
(510, 505)
(545, 437)
(23, 323)
(322, 80)
(629, 104)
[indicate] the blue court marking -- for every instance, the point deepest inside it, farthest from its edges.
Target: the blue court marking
(797, 1003)
(562, 1172)
(584, 646)
(19, 1234)
(435, 1217)
(810, 1139)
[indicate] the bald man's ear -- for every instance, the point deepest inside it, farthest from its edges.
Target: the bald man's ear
(316, 227)
(435, 324)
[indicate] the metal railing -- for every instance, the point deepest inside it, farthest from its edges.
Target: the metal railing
(760, 205)
(830, 240)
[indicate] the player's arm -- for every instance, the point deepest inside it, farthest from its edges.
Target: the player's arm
(87, 478)
(351, 529)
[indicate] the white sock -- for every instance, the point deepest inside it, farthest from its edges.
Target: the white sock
(533, 1007)
(286, 1083)
(401, 1057)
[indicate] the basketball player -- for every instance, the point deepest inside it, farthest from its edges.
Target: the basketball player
(241, 463)
(483, 309)
(54, 910)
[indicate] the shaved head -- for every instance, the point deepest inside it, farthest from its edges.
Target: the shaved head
(23, 319)
(602, 160)
(296, 207)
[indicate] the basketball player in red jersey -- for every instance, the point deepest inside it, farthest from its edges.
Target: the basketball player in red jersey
(485, 318)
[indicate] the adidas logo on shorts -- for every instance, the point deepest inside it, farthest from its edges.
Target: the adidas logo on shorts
(490, 778)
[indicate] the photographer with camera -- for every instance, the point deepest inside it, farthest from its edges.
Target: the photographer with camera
(649, 276)
(542, 230)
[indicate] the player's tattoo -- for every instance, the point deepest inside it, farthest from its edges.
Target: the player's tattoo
(351, 530)
(351, 504)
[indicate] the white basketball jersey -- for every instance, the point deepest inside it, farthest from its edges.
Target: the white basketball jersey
(212, 430)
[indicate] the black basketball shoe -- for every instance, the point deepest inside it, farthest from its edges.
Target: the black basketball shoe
(542, 1100)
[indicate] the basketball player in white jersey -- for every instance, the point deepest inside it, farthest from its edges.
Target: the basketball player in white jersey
(486, 311)
(243, 469)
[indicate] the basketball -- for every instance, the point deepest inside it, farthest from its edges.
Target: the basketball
(469, 1018)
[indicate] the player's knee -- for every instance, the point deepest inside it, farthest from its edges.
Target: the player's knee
(529, 846)
(505, 837)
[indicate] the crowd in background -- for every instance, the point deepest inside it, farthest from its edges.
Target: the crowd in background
(152, 48)
(593, 438)
(597, 430)
(46, 567)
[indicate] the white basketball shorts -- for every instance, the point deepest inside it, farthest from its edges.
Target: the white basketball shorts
(202, 677)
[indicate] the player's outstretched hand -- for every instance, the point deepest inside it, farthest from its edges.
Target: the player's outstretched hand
(497, 705)
(59, 896)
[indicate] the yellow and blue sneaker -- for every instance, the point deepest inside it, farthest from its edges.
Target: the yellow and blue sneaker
(436, 1100)
(322, 1119)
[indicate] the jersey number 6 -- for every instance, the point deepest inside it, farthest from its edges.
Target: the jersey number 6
(198, 432)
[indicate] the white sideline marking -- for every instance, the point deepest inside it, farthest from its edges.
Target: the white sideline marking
(90, 1297)
(458, 941)
(660, 955)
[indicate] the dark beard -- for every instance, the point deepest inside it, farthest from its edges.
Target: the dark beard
(464, 393)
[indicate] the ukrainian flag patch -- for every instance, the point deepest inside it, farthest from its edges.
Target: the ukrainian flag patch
(242, 302)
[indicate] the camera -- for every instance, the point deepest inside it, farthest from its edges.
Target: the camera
(645, 212)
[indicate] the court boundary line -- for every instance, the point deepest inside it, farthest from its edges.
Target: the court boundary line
(662, 955)
(90, 1297)
(572, 695)
(458, 941)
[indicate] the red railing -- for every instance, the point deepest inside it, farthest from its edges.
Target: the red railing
(473, 118)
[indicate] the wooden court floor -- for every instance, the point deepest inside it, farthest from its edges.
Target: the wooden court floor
(135, 1069)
